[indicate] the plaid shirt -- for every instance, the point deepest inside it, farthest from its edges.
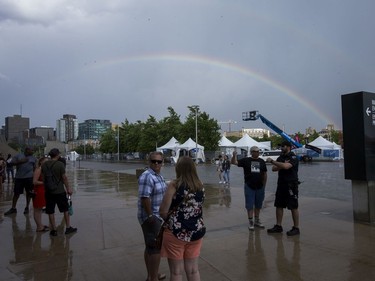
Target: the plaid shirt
(151, 185)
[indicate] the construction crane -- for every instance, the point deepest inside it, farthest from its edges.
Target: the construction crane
(229, 122)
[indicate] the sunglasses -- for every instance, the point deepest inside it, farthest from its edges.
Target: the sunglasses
(153, 161)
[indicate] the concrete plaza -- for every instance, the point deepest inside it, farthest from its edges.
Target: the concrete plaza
(109, 242)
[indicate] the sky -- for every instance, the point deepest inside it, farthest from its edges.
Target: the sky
(290, 60)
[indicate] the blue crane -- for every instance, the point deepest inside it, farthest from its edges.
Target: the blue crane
(254, 115)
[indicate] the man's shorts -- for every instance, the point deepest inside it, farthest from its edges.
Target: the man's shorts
(175, 249)
(150, 233)
(253, 197)
(21, 184)
(287, 196)
(56, 199)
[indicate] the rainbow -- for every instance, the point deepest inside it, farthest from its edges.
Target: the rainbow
(229, 66)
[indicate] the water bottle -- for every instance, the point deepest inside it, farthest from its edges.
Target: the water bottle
(70, 209)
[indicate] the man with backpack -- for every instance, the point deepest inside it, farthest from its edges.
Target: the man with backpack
(57, 188)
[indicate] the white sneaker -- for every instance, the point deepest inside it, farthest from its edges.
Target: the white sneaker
(251, 225)
(220, 182)
(258, 224)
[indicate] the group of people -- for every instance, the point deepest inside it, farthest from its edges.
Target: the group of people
(30, 177)
(223, 169)
(178, 206)
(6, 170)
(255, 178)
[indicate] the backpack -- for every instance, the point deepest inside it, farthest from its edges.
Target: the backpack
(51, 183)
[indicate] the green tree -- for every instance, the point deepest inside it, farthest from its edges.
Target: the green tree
(169, 127)
(208, 129)
(81, 149)
(108, 143)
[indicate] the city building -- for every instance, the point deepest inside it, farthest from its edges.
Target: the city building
(45, 132)
(257, 132)
(93, 129)
(17, 129)
(67, 128)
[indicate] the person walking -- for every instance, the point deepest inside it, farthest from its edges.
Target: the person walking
(151, 190)
(57, 188)
(25, 163)
(226, 170)
(39, 201)
(255, 177)
(182, 209)
(287, 188)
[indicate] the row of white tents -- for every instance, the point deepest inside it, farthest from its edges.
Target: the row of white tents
(190, 147)
(329, 149)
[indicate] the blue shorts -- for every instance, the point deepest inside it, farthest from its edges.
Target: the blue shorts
(254, 197)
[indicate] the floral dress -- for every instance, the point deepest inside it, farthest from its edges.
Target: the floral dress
(186, 215)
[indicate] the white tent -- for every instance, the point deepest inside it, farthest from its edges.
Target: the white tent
(329, 149)
(246, 142)
(171, 144)
(224, 142)
(322, 143)
(192, 145)
(226, 146)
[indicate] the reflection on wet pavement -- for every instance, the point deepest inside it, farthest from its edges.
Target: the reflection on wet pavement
(109, 243)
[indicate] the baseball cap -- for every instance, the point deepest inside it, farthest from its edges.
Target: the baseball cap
(54, 152)
(254, 148)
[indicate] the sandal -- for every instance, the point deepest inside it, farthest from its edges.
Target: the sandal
(44, 229)
(162, 276)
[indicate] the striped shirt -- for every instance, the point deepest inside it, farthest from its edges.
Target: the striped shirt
(150, 185)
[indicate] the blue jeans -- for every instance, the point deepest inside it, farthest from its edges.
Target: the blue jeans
(226, 175)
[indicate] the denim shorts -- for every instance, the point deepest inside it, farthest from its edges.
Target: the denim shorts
(254, 197)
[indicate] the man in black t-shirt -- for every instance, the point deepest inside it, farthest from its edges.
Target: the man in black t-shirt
(287, 188)
(255, 176)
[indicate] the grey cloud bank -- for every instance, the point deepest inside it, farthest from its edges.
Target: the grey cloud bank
(291, 60)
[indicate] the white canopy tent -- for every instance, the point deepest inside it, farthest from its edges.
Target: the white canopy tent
(226, 146)
(329, 149)
(192, 145)
(246, 142)
(171, 144)
(322, 143)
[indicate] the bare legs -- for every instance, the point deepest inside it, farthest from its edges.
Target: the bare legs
(178, 267)
(38, 219)
(152, 264)
(280, 213)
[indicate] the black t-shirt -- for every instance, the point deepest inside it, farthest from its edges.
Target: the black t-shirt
(254, 170)
(289, 175)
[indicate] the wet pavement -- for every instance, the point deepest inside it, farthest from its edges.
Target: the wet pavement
(109, 243)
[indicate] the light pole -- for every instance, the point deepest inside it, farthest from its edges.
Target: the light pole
(196, 131)
(118, 143)
(84, 146)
